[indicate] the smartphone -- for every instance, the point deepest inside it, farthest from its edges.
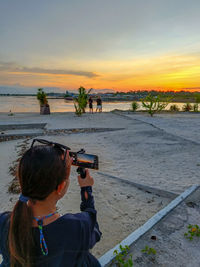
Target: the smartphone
(85, 160)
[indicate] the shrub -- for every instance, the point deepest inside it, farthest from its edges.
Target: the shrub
(154, 104)
(195, 107)
(187, 107)
(134, 106)
(174, 108)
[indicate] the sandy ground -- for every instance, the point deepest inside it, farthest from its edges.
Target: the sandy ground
(161, 152)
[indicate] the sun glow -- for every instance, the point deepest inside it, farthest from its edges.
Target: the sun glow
(165, 72)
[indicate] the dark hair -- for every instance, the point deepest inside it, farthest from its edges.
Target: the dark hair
(41, 170)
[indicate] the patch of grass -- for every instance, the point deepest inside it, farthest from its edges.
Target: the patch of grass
(193, 230)
(121, 257)
(149, 250)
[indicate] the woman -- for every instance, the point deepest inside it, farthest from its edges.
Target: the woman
(37, 234)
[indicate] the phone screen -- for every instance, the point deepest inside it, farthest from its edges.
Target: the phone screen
(85, 160)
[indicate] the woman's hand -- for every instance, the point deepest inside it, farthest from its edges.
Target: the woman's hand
(87, 181)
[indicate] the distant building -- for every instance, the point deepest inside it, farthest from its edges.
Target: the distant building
(67, 93)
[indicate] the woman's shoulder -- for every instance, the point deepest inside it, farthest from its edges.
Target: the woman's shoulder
(83, 220)
(68, 219)
(72, 221)
(81, 216)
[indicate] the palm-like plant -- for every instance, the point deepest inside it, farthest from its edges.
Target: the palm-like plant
(42, 98)
(80, 103)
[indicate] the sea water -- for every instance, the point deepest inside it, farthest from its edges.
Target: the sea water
(31, 104)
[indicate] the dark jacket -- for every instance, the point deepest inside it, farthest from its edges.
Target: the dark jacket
(68, 239)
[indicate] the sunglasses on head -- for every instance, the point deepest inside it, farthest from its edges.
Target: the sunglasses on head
(49, 143)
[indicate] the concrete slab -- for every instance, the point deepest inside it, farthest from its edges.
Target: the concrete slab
(146, 188)
(108, 257)
(21, 132)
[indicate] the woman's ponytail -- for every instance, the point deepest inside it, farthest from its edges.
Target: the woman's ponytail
(20, 238)
(40, 171)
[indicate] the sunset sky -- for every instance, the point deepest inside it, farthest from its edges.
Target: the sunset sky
(116, 44)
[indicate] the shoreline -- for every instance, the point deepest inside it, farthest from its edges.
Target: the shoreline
(107, 99)
(143, 112)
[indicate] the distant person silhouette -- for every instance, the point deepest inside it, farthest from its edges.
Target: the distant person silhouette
(90, 104)
(99, 104)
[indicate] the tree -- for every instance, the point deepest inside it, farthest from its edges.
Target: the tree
(80, 103)
(154, 104)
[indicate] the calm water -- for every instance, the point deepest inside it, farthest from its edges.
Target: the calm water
(30, 104)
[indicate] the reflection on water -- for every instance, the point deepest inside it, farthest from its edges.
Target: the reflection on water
(30, 104)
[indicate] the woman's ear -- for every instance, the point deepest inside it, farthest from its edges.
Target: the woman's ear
(61, 187)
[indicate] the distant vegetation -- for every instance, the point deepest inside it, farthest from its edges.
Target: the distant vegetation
(182, 96)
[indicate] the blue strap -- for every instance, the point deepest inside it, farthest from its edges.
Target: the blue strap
(22, 198)
(43, 244)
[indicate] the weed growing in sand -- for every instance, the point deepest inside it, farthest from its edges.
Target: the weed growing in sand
(149, 250)
(120, 257)
(134, 106)
(193, 230)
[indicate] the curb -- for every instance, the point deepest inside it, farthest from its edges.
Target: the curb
(5, 127)
(108, 257)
